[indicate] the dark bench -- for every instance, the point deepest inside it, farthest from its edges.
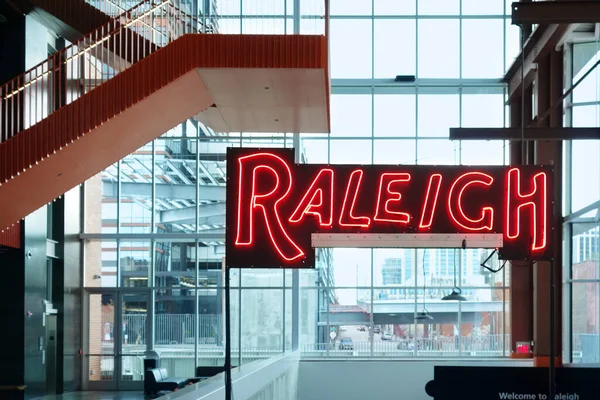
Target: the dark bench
(158, 379)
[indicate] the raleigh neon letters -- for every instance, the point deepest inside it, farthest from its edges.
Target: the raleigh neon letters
(273, 205)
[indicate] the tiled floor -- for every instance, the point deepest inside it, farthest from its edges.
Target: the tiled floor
(98, 396)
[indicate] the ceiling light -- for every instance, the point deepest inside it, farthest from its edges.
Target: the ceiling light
(423, 316)
(455, 295)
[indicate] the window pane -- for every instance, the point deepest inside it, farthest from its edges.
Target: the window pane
(270, 7)
(394, 48)
(175, 264)
(393, 268)
(350, 7)
(135, 262)
(585, 174)
(315, 151)
(351, 151)
(135, 207)
(350, 48)
(309, 316)
(586, 324)
(585, 55)
(352, 267)
(394, 7)
(437, 114)
(312, 26)
(439, 7)
(487, 7)
(262, 277)
(175, 331)
(351, 115)
(482, 48)
(586, 251)
(437, 152)
(230, 26)
(101, 201)
(394, 152)
(513, 43)
(586, 116)
(228, 7)
(100, 263)
(262, 322)
(482, 111)
(438, 48)
(395, 115)
(481, 152)
(263, 26)
(177, 195)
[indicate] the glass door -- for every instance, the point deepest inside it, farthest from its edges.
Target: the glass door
(117, 328)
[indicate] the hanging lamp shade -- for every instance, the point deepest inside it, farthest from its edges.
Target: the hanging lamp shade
(423, 316)
(456, 292)
(455, 296)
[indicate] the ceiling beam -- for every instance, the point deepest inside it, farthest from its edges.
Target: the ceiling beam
(555, 12)
(541, 42)
(529, 133)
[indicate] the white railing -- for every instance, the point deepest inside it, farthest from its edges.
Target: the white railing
(92, 60)
(477, 346)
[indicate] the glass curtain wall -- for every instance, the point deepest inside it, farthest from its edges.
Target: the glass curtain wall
(448, 56)
(158, 215)
(581, 277)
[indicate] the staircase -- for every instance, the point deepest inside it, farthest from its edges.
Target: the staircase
(137, 76)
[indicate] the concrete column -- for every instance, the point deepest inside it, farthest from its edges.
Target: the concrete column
(549, 84)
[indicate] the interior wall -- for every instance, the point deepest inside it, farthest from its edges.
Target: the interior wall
(12, 62)
(69, 321)
(375, 379)
(34, 295)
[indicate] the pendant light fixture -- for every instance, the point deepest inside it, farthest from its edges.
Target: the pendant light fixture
(423, 316)
(456, 292)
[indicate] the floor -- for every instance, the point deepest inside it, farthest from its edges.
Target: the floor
(97, 396)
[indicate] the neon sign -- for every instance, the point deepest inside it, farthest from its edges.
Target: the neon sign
(274, 205)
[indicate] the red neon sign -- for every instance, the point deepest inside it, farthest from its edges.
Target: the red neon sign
(431, 198)
(268, 203)
(456, 204)
(323, 183)
(347, 217)
(383, 213)
(535, 201)
(273, 205)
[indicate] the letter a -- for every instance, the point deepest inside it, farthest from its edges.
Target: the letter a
(318, 200)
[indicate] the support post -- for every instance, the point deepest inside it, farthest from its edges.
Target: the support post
(551, 367)
(228, 386)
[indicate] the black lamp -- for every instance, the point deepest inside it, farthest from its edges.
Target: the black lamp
(423, 316)
(456, 292)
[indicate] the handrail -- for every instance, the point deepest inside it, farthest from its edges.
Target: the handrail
(97, 57)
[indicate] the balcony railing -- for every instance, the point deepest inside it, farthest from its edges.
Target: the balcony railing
(97, 57)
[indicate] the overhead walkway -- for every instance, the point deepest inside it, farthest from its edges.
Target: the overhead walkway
(82, 110)
(403, 312)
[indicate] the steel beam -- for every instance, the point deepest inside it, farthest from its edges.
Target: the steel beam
(210, 235)
(165, 191)
(417, 240)
(529, 133)
(543, 39)
(210, 214)
(555, 12)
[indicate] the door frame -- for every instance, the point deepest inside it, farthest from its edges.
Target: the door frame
(117, 382)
